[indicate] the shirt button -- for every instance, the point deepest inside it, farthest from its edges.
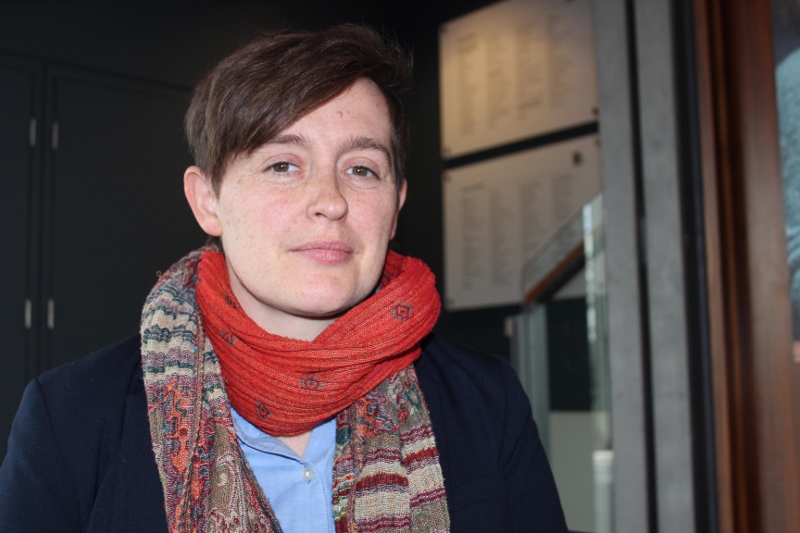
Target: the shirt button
(308, 473)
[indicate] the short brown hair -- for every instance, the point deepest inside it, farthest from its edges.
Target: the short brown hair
(265, 86)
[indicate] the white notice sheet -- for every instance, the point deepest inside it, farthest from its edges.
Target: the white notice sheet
(499, 213)
(514, 70)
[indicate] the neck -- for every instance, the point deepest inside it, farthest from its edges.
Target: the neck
(298, 443)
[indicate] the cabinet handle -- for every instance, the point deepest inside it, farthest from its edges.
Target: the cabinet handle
(51, 311)
(28, 313)
(54, 139)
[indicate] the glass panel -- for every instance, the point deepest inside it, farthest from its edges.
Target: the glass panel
(563, 362)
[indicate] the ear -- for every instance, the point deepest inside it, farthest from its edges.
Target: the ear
(401, 200)
(202, 200)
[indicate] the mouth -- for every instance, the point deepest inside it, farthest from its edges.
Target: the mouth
(331, 252)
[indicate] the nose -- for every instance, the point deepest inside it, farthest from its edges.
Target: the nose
(328, 200)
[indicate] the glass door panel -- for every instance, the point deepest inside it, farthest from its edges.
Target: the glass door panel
(562, 359)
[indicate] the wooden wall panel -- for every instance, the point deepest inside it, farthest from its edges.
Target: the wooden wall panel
(756, 384)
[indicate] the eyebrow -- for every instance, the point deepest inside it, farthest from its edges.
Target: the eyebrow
(365, 143)
(354, 143)
(288, 138)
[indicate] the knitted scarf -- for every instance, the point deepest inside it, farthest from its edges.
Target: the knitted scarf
(386, 467)
(286, 386)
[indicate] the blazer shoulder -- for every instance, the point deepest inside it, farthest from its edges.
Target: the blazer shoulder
(444, 361)
(463, 384)
(63, 446)
(95, 382)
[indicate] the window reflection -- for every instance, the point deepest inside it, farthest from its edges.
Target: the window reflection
(786, 32)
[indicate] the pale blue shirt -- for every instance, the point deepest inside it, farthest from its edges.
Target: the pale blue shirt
(299, 489)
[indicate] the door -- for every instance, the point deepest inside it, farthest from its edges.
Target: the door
(116, 215)
(19, 87)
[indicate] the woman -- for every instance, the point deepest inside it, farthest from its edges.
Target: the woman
(285, 377)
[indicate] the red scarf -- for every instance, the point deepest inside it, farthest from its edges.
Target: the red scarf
(285, 386)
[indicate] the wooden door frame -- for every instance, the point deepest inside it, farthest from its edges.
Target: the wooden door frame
(756, 384)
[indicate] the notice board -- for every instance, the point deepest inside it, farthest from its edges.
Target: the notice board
(515, 70)
(499, 213)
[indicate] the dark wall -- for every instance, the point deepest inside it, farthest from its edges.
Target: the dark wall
(175, 43)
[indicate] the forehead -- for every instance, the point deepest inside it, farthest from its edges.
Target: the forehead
(361, 105)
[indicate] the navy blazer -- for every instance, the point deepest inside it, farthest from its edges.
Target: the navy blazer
(80, 457)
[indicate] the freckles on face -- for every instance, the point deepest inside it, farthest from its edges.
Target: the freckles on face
(307, 217)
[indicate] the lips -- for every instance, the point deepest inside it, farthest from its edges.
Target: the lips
(326, 251)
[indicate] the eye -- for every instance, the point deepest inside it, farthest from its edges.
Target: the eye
(282, 167)
(362, 172)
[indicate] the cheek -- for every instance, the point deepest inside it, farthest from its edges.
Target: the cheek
(239, 226)
(255, 216)
(378, 214)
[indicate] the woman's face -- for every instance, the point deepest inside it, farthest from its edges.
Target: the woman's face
(306, 219)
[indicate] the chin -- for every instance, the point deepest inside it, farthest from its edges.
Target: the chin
(325, 307)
